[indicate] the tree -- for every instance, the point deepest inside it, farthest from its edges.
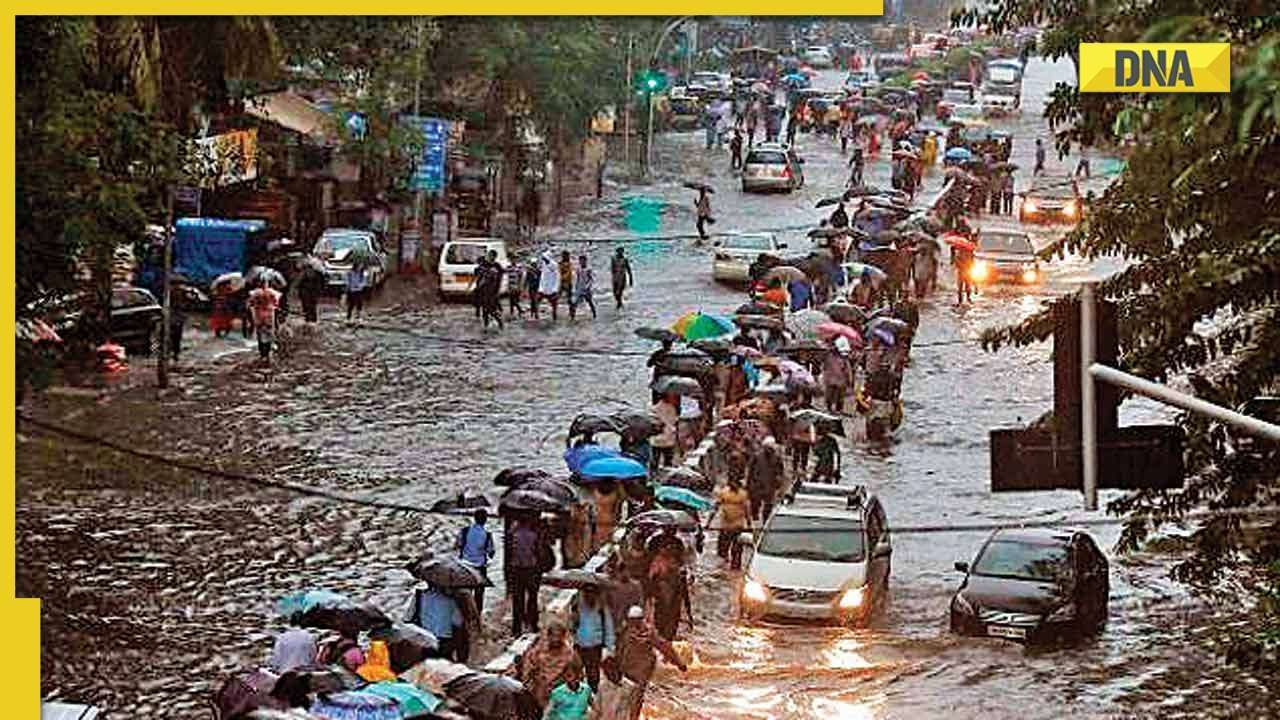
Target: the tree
(1194, 214)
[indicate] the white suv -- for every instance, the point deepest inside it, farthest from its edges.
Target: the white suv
(824, 555)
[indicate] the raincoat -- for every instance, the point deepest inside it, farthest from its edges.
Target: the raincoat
(377, 663)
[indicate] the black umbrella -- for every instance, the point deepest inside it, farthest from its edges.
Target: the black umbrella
(244, 692)
(715, 347)
(525, 499)
(590, 424)
(447, 572)
(678, 519)
(350, 618)
(828, 202)
(407, 644)
(637, 423)
(824, 423)
(757, 308)
(330, 680)
(657, 334)
(493, 696)
(689, 361)
(677, 385)
(846, 314)
(686, 478)
(759, 322)
(517, 476)
(551, 487)
(701, 187)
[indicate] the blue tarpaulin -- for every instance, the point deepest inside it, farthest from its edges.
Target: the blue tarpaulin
(204, 248)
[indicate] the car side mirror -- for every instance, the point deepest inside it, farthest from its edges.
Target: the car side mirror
(962, 567)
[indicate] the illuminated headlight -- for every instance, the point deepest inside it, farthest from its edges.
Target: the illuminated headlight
(1066, 613)
(1029, 275)
(852, 598)
(1069, 209)
(1030, 205)
(755, 591)
(979, 271)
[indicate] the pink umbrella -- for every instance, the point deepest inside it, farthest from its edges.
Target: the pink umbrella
(792, 370)
(835, 330)
(747, 352)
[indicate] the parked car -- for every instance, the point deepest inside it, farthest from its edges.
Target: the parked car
(458, 260)
(1052, 198)
(1032, 585)
(772, 166)
(337, 247)
(818, 56)
(1004, 256)
(716, 81)
(823, 555)
(134, 322)
(735, 253)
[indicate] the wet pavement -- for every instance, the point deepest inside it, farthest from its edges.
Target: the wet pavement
(155, 581)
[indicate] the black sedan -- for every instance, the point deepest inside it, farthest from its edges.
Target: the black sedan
(136, 318)
(1033, 585)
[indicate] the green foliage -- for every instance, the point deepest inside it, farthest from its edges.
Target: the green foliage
(1194, 215)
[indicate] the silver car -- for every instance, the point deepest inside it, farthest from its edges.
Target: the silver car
(772, 167)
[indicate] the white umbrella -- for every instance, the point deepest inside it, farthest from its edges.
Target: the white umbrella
(805, 323)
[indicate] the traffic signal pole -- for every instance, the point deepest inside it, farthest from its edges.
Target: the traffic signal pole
(648, 143)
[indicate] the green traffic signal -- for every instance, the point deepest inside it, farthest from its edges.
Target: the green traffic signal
(651, 81)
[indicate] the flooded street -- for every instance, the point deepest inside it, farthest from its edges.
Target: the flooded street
(174, 575)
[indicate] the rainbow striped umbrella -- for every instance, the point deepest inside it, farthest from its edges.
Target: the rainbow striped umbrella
(700, 326)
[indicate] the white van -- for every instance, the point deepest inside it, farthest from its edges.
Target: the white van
(824, 555)
(458, 260)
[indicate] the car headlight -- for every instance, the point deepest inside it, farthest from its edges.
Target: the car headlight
(1029, 205)
(852, 598)
(1066, 613)
(755, 591)
(1069, 209)
(979, 271)
(1029, 275)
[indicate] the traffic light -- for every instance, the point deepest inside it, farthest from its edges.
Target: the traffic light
(651, 81)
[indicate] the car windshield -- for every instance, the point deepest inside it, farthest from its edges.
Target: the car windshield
(1023, 561)
(1005, 243)
(748, 242)
(334, 243)
(955, 95)
(1050, 186)
(766, 158)
(813, 538)
(464, 254)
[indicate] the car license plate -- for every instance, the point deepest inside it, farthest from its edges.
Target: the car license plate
(1004, 631)
(462, 279)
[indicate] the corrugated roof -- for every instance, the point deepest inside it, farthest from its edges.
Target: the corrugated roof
(291, 111)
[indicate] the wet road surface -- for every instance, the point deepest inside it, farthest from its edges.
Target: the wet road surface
(173, 577)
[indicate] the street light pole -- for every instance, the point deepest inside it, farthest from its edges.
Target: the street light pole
(166, 297)
(1088, 402)
(626, 108)
(648, 145)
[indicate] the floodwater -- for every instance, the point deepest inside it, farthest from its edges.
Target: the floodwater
(156, 581)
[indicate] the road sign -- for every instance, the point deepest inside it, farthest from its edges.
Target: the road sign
(429, 172)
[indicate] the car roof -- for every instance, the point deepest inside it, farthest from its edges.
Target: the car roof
(1036, 536)
(831, 512)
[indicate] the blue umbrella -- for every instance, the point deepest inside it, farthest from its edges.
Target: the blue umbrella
(958, 154)
(576, 457)
(301, 602)
(683, 497)
(613, 468)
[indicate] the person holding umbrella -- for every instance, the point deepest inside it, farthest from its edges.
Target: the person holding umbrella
(765, 472)
(263, 302)
(856, 163)
(837, 375)
(667, 410)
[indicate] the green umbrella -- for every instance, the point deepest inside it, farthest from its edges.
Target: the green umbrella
(700, 325)
(413, 701)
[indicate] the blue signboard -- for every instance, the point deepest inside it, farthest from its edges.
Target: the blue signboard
(428, 174)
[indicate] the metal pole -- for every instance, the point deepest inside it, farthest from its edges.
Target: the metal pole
(1089, 408)
(1169, 396)
(417, 105)
(162, 364)
(626, 107)
(648, 145)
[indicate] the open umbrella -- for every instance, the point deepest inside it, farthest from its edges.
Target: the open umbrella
(688, 361)
(556, 489)
(448, 573)
(805, 322)
(576, 579)
(413, 701)
(683, 498)
(809, 416)
(616, 468)
(591, 423)
(524, 499)
(835, 330)
(786, 273)
(517, 476)
(407, 644)
(699, 186)
(637, 423)
(958, 154)
(355, 704)
(259, 273)
(674, 384)
(244, 692)
(890, 324)
(656, 334)
(846, 313)
(860, 269)
(434, 674)
(493, 696)
(882, 335)
(755, 308)
(684, 477)
(718, 347)
(678, 519)
(829, 201)
(759, 322)
(576, 457)
(227, 283)
(331, 611)
(699, 325)
(958, 241)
